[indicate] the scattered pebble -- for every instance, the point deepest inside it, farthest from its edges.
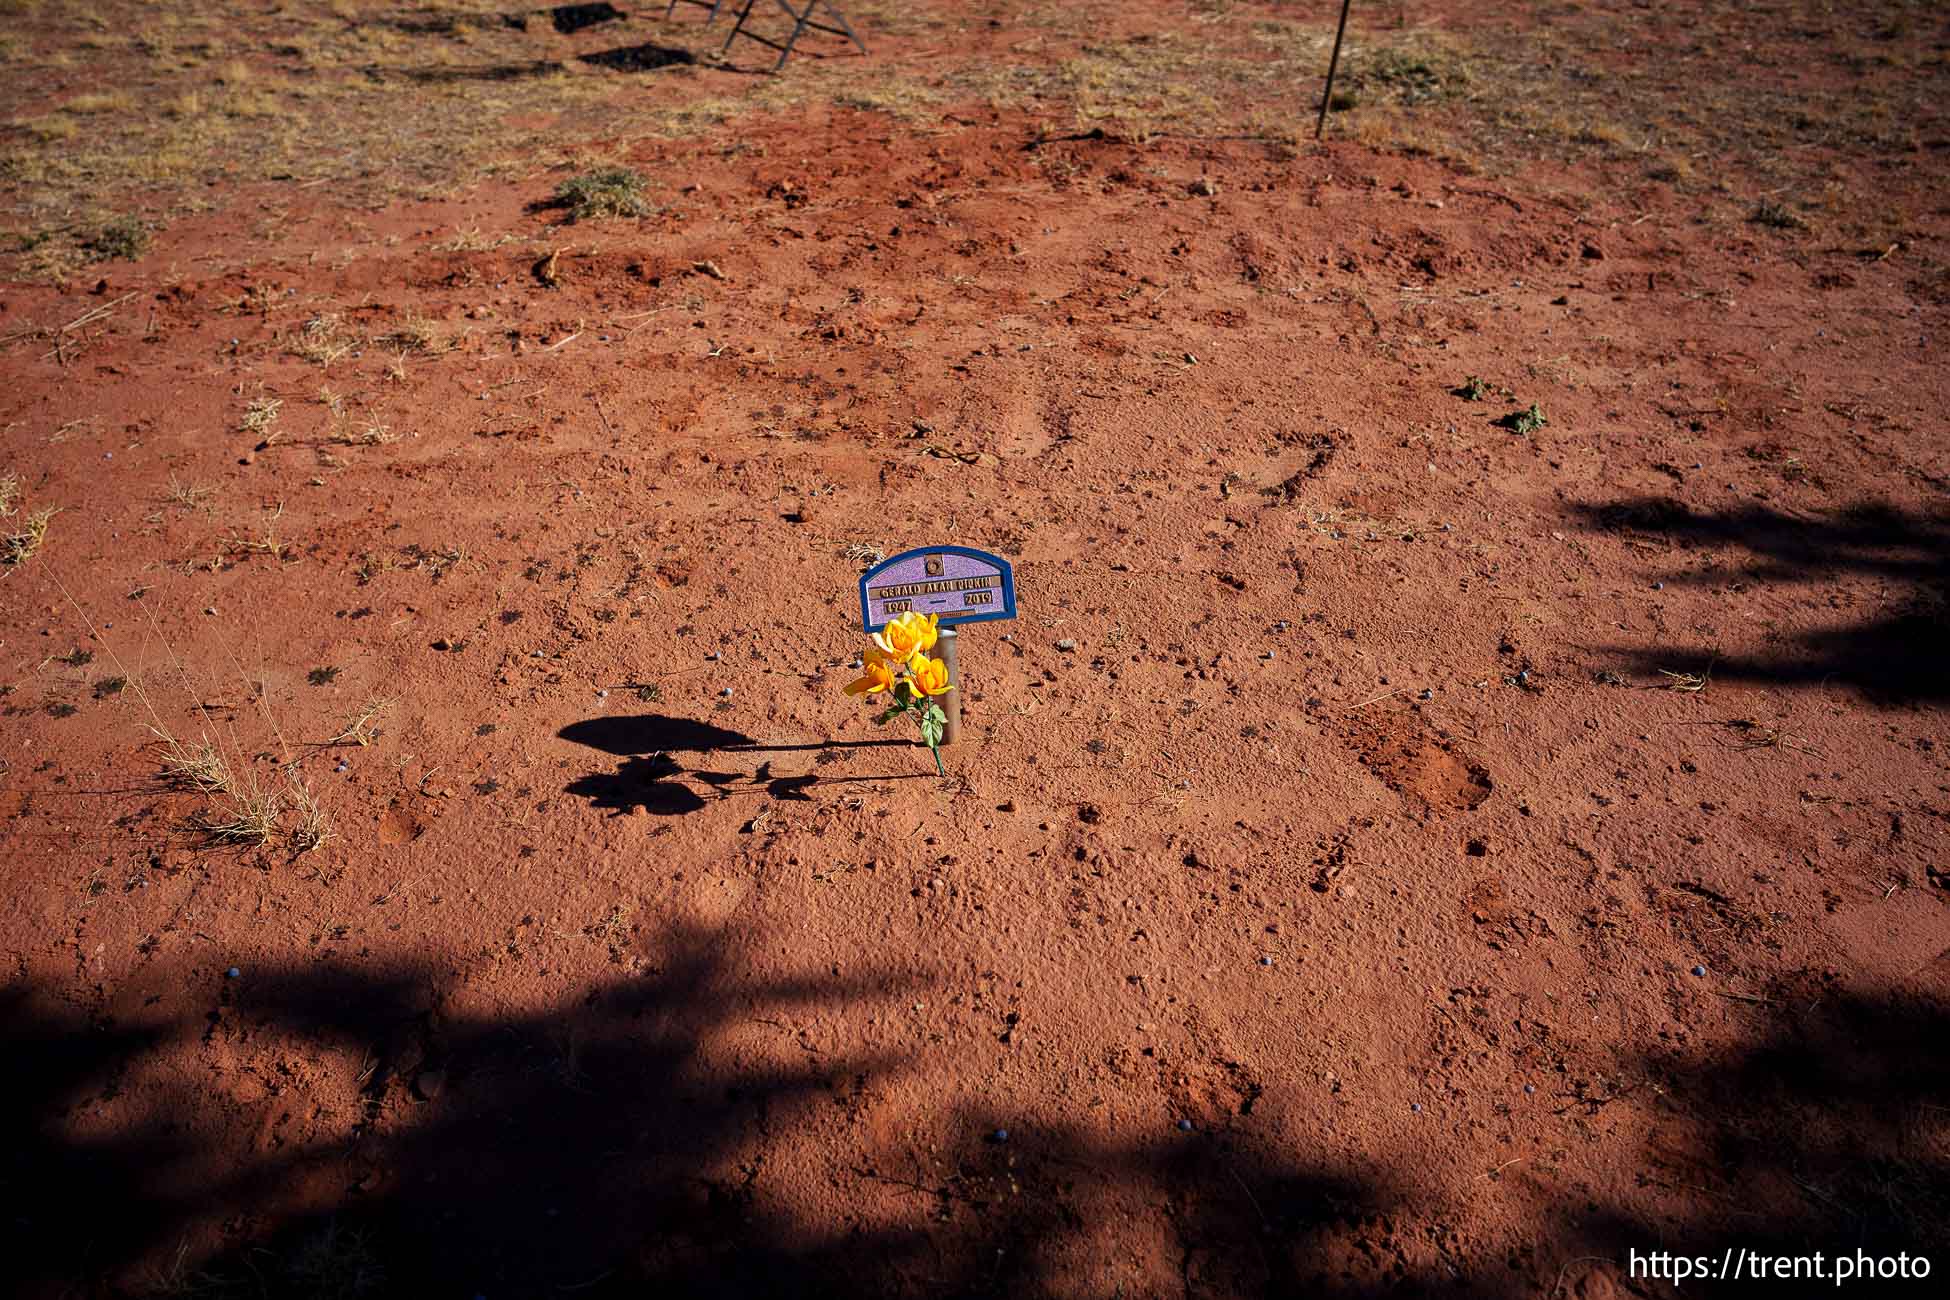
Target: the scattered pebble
(1415, 1106)
(1066, 644)
(1425, 694)
(1266, 961)
(1699, 970)
(1002, 1135)
(209, 609)
(341, 767)
(232, 973)
(726, 692)
(1184, 1126)
(1658, 586)
(712, 654)
(602, 695)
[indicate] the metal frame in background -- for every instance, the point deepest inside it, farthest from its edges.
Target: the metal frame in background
(713, 5)
(801, 20)
(1327, 95)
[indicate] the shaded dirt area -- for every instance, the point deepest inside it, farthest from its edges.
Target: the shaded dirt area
(1438, 858)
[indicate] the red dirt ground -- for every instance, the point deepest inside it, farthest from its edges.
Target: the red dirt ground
(1357, 908)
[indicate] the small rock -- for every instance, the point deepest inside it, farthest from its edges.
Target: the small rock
(1529, 1088)
(1266, 961)
(209, 609)
(232, 973)
(1415, 1106)
(1066, 645)
(1184, 1126)
(428, 1084)
(726, 692)
(1699, 970)
(1204, 187)
(1593, 253)
(1001, 1135)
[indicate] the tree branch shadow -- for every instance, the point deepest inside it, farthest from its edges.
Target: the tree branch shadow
(1898, 652)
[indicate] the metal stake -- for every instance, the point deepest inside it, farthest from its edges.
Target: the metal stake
(1328, 96)
(951, 702)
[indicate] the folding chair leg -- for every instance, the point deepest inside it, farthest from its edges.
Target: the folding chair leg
(716, 5)
(798, 26)
(841, 19)
(738, 26)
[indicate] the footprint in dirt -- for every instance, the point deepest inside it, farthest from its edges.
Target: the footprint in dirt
(1414, 760)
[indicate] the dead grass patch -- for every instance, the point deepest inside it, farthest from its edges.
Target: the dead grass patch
(16, 548)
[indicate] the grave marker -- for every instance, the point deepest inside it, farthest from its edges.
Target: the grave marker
(956, 584)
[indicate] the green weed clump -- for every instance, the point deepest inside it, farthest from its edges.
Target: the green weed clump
(605, 192)
(123, 239)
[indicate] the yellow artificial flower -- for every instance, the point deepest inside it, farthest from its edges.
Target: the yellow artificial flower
(928, 676)
(908, 635)
(879, 676)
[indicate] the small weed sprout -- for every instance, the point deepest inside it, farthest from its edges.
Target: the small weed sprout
(1527, 422)
(1474, 390)
(605, 192)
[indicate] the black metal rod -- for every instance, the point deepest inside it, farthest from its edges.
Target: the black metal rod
(1327, 96)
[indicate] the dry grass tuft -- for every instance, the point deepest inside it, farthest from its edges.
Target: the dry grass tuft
(261, 415)
(360, 730)
(1689, 683)
(201, 768)
(190, 496)
(243, 814)
(336, 1265)
(9, 494)
(414, 334)
(322, 340)
(374, 434)
(17, 548)
(314, 828)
